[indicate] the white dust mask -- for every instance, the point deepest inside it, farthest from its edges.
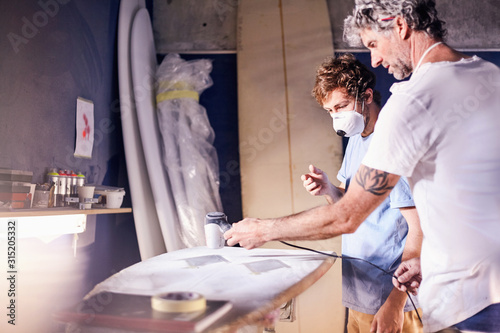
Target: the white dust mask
(349, 123)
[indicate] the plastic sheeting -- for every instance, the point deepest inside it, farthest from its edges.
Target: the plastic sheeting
(188, 152)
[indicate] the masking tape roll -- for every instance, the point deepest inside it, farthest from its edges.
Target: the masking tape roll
(178, 302)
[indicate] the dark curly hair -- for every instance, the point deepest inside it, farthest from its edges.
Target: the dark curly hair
(344, 72)
(421, 15)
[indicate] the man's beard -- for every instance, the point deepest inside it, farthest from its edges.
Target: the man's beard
(401, 70)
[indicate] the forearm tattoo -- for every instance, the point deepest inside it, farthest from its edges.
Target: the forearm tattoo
(373, 180)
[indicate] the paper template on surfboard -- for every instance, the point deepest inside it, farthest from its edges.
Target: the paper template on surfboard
(281, 127)
(143, 65)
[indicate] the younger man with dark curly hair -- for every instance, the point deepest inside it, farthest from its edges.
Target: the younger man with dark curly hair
(345, 88)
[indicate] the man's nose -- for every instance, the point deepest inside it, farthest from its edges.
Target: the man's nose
(376, 59)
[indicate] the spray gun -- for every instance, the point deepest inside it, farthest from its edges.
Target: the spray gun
(215, 226)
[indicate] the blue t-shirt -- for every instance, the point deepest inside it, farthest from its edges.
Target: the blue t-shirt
(380, 239)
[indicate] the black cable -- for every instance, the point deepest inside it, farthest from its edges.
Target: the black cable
(354, 258)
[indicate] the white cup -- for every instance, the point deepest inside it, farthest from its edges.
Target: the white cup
(114, 199)
(86, 192)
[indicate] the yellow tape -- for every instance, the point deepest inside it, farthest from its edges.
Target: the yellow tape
(174, 94)
(174, 85)
(178, 302)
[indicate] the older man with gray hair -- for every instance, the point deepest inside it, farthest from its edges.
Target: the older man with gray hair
(440, 130)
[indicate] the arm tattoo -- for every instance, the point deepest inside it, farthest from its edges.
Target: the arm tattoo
(373, 180)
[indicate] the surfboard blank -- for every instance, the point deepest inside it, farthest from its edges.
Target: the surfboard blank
(147, 226)
(281, 127)
(143, 67)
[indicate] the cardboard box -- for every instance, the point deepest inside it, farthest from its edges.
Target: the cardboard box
(16, 175)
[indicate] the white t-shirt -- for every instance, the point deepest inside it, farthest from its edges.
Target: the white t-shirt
(441, 129)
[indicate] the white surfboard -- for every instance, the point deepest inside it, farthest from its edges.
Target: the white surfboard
(282, 129)
(143, 66)
(147, 226)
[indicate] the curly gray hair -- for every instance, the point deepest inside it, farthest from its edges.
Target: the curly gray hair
(378, 15)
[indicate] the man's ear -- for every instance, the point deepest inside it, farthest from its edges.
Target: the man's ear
(368, 96)
(402, 28)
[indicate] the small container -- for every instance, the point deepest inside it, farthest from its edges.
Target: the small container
(41, 199)
(114, 199)
(86, 195)
(215, 226)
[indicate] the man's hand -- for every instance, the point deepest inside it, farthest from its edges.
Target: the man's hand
(250, 233)
(408, 276)
(316, 182)
(389, 318)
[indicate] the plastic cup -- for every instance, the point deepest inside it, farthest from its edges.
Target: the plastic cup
(114, 199)
(86, 192)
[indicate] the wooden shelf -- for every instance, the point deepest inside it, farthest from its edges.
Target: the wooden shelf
(61, 211)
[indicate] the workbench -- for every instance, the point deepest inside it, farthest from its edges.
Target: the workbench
(256, 282)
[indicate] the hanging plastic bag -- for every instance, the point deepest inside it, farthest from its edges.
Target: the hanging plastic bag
(188, 152)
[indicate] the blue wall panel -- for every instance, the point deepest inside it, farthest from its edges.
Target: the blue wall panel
(53, 51)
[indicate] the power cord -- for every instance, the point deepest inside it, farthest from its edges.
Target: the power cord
(354, 258)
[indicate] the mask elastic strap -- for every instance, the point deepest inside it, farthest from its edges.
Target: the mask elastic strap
(356, 102)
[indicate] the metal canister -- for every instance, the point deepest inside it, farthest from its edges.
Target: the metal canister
(53, 179)
(80, 179)
(69, 188)
(73, 191)
(62, 189)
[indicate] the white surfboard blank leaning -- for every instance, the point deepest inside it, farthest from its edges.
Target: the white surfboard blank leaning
(147, 226)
